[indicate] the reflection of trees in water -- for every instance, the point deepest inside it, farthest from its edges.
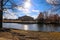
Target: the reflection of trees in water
(48, 27)
(56, 27)
(40, 27)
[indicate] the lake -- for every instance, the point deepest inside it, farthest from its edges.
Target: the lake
(33, 27)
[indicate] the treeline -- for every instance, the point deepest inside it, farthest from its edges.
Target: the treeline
(42, 18)
(51, 18)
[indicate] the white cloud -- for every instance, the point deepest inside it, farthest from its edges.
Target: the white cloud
(26, 7)
(9, 15)
(19, 8)
(53, 1)
(35, 11)
(27, 4)
(24, 10)
(34, 16)
(3, 17)
(55, 6)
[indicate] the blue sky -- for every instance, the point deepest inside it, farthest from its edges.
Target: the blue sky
(28, 7)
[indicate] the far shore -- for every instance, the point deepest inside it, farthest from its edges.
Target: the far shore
(31, 23)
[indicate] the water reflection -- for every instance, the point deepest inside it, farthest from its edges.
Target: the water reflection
(49, 27)
(56, 27)
(40, 27)
(25, 27)
(34, 27)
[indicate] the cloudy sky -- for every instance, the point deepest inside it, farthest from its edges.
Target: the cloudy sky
(28, 7)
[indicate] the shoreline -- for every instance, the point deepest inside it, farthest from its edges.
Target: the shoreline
(30, 23)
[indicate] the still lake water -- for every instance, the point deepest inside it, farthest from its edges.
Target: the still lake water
(33, 27)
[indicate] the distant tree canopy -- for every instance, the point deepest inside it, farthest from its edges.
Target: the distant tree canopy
(52, 18)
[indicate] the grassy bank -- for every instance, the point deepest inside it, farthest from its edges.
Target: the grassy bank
(14, 34)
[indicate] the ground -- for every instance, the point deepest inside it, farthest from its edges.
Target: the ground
(14, 34)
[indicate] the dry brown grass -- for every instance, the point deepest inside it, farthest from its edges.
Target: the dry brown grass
(29, 35)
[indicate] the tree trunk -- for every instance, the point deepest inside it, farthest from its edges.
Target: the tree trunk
(1, 12)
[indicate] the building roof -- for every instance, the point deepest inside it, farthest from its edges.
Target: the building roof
(26, 18)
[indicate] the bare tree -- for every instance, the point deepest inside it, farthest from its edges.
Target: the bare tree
(55, 5)
(3, 7)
